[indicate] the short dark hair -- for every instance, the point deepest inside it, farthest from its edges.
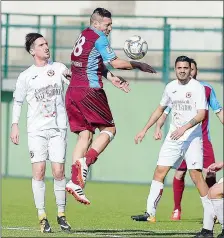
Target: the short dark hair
(183, 58)
(102, 12)
(194, 62)
(30, 38)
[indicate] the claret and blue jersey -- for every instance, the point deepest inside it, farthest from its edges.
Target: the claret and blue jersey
(90, 54)
(213, 103)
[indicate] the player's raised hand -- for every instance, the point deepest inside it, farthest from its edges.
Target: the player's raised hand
(15, 134)
(143, 67)
(158, 134)
(215, 167)
(175, 135)
(67, 74)
(139, 137)
(120, 83)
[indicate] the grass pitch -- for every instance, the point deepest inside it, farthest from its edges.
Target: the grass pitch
(107, 216)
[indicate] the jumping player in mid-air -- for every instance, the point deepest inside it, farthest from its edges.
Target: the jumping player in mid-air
(86, 102)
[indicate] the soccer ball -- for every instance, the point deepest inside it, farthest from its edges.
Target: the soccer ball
(135, 47)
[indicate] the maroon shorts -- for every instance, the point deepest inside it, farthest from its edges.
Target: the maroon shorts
(208, 156)
(87, 109)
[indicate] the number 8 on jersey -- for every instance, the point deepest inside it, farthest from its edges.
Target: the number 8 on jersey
(77, 50)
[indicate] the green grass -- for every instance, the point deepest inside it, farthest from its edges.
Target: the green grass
(107, 216)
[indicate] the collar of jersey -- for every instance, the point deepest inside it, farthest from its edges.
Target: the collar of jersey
(97, 31)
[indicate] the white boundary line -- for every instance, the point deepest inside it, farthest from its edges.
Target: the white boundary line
(100, 230)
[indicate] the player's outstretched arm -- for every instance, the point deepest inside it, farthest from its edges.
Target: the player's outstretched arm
(129, 65)
(193, 122)
(152, 120)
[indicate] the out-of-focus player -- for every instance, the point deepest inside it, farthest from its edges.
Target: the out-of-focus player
(184, 139)
(86, 102)
(208, 153)
(42, 84)
(215, 194)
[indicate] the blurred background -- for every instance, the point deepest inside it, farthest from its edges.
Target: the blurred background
(171, 28)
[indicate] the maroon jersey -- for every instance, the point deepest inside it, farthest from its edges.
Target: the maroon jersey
(91, 51)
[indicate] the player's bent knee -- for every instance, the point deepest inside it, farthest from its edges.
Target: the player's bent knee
(196, 175)
(109, 133)
(216, 191)
(160, 173)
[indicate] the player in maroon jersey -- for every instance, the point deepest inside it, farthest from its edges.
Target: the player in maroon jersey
(86, 102)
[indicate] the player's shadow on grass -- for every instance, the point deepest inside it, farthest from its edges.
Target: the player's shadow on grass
(129, 232)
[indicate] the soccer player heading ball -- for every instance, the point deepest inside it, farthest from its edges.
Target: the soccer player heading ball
(86, 102)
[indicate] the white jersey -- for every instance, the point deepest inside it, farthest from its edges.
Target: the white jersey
(43, 89)
(184, 100)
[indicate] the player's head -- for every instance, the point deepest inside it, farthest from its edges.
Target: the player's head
(37, 46)
(101, 20)
(183, 68)
(194, 69)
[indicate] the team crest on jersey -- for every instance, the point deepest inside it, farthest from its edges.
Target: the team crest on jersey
(188, 95)
(50, 72)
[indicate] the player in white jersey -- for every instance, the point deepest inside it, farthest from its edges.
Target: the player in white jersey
(187, 98)
(42, 84)
(215, 195)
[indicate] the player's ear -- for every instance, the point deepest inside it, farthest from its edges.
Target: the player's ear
(95, 24)
(32, 52)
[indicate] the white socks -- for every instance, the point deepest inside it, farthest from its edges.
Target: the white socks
(209, 213)
(60, 194)
(218, 207)
(155, 194)
(38, 188)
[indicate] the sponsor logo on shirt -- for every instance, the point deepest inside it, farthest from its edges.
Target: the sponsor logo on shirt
(47, 92)
(76, 63)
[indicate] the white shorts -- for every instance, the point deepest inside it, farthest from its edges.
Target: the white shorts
(173, 152)
(48, 145)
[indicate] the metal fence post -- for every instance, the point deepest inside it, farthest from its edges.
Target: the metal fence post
(54, 37)
(82, 26)
(6, 46)
(38, 23)
(166, 59)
